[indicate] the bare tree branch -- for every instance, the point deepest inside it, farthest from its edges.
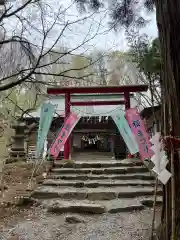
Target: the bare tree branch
(28, 65)
(36, 61)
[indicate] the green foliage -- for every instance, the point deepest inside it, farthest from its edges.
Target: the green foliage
(148, 57)
(122, 13)
(17, 100)
(127, 14)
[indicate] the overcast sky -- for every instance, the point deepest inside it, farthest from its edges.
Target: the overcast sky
(73, 36)
(105, 39)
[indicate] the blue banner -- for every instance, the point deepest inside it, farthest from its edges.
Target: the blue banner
(126, 132)
(47, 113)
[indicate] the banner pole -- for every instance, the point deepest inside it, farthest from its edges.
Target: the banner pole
(127, 106)
(67, 112)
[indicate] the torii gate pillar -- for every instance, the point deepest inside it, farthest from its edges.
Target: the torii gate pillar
(127, 100)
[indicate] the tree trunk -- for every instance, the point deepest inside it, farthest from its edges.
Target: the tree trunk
(168, 21)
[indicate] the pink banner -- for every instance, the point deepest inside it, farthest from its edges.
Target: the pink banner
(63, 135)
(139, 130)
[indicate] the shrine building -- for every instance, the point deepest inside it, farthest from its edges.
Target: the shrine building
(95, 131)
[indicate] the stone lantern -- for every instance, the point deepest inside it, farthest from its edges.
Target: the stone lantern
(18, 141)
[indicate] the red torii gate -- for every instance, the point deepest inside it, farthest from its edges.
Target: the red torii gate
(126, 89)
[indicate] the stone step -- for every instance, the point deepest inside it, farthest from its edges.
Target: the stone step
(98, 183)
(64, 206)
(111, 170)
(84, 177)
(96, 164)
(92, 207)
(45, 192)
(148, 202)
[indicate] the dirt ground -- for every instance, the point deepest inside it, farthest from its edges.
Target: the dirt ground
(16, 178)
(37, 224)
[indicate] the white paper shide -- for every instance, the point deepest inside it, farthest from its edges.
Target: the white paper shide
(159, 159)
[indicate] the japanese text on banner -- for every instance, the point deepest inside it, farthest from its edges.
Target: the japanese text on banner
(64, 133)
(126, 132)
(138, 128)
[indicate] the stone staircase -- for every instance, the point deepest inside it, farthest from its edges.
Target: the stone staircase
(98, 186)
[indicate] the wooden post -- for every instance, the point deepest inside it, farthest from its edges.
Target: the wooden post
(67, 112)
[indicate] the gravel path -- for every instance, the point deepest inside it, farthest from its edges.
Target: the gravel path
(39, 225)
